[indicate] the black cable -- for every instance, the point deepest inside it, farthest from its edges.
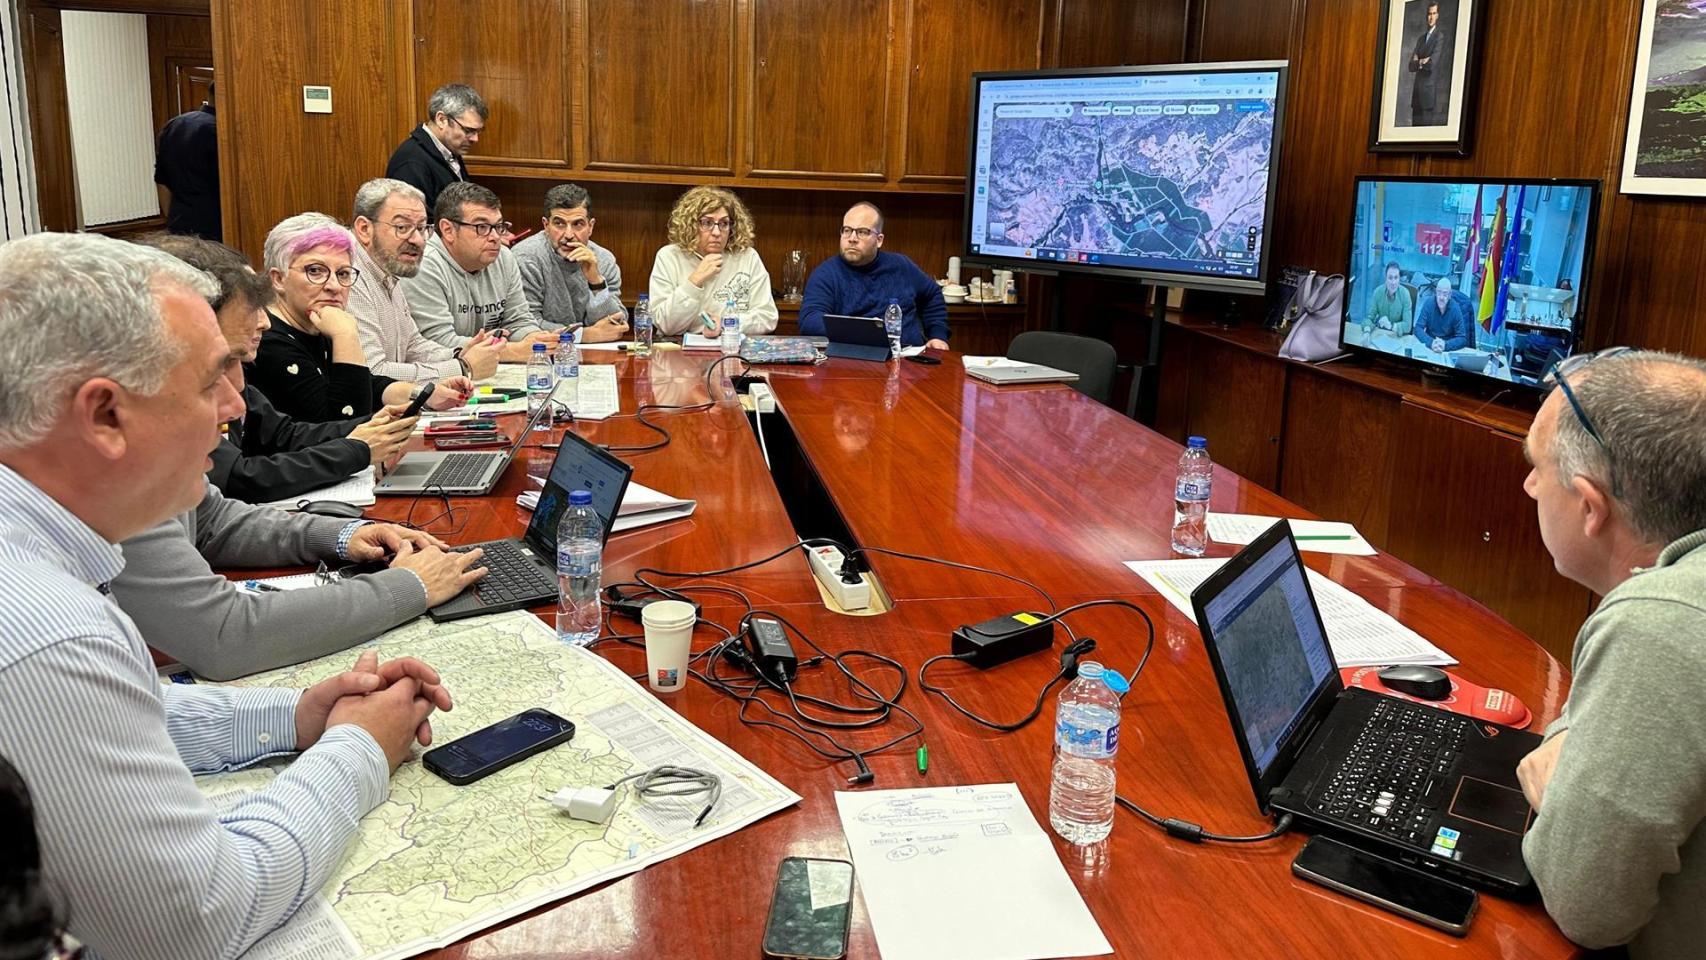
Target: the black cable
(1069, 665)
(1194, 833)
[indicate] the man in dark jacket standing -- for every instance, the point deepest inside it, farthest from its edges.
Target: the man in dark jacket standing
(431, 158)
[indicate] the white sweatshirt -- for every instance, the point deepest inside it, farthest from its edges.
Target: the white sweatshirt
(677, 304)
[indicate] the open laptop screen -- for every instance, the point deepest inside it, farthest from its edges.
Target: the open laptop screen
(579, 466)
(1273, 655)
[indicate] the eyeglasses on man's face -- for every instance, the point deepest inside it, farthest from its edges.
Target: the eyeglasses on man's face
(709, 225)
(1555, 376)
(404, 230)
(863, 233)
(472, 133)
(485, 229)
(319, 273)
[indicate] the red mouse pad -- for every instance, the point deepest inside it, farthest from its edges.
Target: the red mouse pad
(1482, 703)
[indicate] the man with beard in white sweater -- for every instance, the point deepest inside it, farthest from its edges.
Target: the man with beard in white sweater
(709, 261)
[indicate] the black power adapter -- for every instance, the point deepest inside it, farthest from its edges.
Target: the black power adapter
(770, 647)
(630, 605)
(994, 642)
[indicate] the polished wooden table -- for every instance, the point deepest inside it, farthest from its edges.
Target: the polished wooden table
(1036, 481)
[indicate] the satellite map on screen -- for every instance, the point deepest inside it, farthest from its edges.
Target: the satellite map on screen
(1112, 180)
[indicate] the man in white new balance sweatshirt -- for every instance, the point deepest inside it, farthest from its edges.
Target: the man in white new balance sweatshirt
(709, 260)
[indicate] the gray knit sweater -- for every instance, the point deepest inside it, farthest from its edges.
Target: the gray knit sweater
(221, 631)
(1617, 850)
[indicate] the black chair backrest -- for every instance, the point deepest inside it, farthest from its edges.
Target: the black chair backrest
(1093, 360)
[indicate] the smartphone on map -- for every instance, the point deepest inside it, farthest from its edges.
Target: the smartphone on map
(810, 909)
(485, 752)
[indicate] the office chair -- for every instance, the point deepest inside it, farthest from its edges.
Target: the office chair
(1093, 360)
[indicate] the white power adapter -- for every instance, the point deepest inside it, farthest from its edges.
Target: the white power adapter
(592, 804)
(762, 399)
(826, 563)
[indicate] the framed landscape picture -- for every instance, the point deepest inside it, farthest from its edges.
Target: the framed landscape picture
(1664, 151)
(1424, 75)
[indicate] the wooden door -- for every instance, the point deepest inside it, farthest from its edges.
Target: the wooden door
(661, 91)
(1458, 512)
(951, 39)
(516, 54)
(820, 80)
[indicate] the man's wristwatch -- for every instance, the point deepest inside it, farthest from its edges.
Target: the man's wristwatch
(600, 285)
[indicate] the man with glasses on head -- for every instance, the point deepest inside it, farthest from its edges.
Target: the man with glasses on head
(431, 158)
(864, 278)
(1619, 786)
(391, 231)
(569, 280)
(468, 282)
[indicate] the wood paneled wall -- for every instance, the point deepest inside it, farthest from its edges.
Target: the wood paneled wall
(1552, 102)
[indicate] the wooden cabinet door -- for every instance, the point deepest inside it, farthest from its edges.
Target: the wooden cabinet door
(1336, 457)
(661, 90)
(516, 54)
(820, 79)
(950, 40)
(1458, 512)
(1234, 399)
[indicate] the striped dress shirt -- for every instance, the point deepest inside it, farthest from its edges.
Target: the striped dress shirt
(393, 345)
(146, 867)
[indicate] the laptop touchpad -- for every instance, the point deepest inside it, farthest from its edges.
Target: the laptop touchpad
(409, 469)
(1492, 804)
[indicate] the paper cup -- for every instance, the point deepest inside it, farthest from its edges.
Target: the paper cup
(669, 634)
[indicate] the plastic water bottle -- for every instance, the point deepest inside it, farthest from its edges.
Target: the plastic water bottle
(580, 564)
(1086, 739)
(731, 333)
(892, 319)
(1190, 499)
(642, 326)
(566, 365)
(539, 384)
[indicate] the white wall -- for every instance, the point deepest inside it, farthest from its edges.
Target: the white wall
(18, 212)
(112, 115)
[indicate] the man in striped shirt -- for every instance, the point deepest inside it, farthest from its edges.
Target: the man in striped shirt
(105, 430)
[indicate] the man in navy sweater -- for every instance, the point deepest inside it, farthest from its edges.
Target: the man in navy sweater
(863, 279)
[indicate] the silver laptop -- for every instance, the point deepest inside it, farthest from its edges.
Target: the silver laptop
(1028, 373)
(457, 473)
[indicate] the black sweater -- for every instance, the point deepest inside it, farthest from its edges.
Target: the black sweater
(296, 372)
(269, 456)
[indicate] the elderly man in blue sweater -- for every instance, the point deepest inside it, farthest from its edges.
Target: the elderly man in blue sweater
(863, 279)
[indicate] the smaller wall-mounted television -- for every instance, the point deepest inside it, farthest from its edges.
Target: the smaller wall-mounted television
(1489, 278)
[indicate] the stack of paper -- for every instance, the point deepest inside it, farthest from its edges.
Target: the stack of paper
(356, 491)
(641, 506)
(698, 341)
(595, 396)
(1360, 634)
(971, 361)
(1321, 536)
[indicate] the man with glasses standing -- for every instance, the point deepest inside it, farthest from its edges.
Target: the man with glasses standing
(468, 282)
(864, 278)
(1619, 785)
(391, 229)
(431, 158)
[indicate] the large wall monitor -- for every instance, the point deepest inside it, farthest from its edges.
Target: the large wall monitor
(1166, 173)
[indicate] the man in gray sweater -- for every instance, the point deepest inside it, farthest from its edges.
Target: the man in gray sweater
(223, 630)
(568, 279)
(468, 280)
(1619, 785)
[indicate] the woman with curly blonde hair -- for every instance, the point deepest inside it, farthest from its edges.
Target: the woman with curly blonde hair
(708, 261)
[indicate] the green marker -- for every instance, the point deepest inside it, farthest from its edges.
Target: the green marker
(923, 760)
(1325, 536)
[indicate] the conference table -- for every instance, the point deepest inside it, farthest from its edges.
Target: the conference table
(1039, 482)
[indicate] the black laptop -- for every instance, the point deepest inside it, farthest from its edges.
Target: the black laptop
(1426, 786)
(855, 338)
(522, 573)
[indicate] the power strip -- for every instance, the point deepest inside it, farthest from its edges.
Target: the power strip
(762, 399)
(854, 594)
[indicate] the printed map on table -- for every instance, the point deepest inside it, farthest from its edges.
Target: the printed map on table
(437, 862)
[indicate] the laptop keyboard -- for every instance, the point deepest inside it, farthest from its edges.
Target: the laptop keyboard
(459, 471)
(510, 574)
(1382, 783)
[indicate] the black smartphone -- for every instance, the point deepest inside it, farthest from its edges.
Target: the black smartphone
(1406, 891)
(415, 405)
(925, 358)
(810, 910)
(485, 752)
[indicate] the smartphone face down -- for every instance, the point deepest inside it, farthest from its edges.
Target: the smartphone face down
(1408, 892)
(485, 752)
(810, 909)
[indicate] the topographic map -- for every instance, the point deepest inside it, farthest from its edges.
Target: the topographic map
(1173, 181)
(436, 862)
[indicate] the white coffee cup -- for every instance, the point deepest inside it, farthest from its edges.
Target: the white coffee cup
(669, 634)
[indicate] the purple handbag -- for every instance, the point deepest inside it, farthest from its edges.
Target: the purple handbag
(1315, 313)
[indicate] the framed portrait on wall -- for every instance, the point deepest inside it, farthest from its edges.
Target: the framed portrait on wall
(1664, 150)
(1425, 75)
